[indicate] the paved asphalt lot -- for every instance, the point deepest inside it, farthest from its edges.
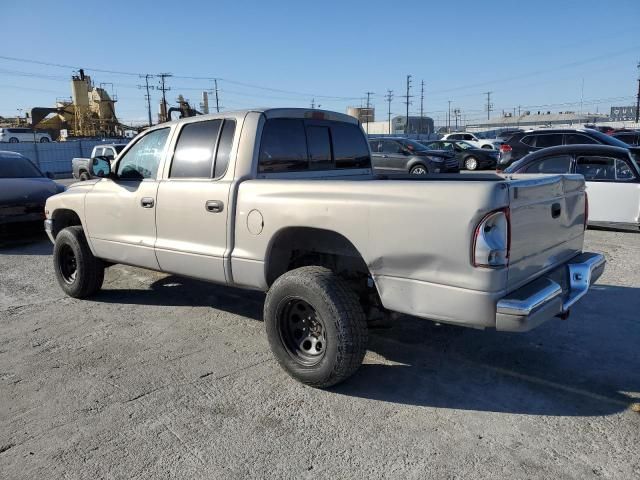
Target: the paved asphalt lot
(161, 377)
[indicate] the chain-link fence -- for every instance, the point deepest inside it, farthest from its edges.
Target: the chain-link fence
(54, 157)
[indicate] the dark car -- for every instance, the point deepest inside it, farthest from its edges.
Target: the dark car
(611, 173)
(23, 192)
(630, 137)
(401, 155)
(530, 141)
(468, 156)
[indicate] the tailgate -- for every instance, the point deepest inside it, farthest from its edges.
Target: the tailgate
(547, 224)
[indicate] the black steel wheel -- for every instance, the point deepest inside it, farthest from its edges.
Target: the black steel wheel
(78, 272)
(316, 327)
(302, 331)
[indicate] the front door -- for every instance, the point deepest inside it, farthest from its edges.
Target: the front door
(393, 156)
(193, 201)
(121, 211)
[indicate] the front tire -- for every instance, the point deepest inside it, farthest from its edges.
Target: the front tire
(315, 325)
(470, 163)
(78, 272)
(418, 170)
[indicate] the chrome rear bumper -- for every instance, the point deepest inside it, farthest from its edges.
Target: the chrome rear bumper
(549, 296)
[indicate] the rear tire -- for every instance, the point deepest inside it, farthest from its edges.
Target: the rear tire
(84, 176)
(470, 163)
(487, 147)
(315, 325)
(78, 272)
(14, 140)
(44, 140)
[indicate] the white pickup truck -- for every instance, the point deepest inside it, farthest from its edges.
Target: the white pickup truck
(285, 201)
(80, 165)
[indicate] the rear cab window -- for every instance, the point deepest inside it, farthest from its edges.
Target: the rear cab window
(296, 144)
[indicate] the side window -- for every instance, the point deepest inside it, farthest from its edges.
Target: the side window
(99, 151)
(143, 159)
(193, 157)
(349, 146)
(374, 145)
(578, 139)
(284, 146)
(529, 140)
(596, 168)
(559, 164)
(319, 143)
(224, 147)
(468, 137)
(109, 153)
(548, 140)
(389, 146)
(623, 171)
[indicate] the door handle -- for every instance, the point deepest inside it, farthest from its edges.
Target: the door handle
(556, 209)
(213, 206)
(147, 202)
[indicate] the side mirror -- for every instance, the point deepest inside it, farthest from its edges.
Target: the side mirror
(50, 175)
(100, 167)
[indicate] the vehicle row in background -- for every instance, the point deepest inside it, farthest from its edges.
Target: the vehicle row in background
(80, 165)
(488, 143)
(528, 141)
(612, 175)
(24, 190)
(402, 155)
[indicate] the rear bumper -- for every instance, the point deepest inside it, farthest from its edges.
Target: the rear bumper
(549, 296)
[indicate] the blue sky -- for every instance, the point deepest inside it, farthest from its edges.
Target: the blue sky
(535, 54)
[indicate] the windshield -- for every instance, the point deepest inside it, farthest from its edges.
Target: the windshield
(608, 139)
(18, 167)
(415, 146)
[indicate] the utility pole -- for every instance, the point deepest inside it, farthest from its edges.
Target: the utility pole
(165, 89)
(638, 98)
(489, 105)
(215, 84)
(422, 106)
(449, 118)
(388, 98)
(368, 110)
(313, 103)
(147, 87)
(456, 113)
(407, 102)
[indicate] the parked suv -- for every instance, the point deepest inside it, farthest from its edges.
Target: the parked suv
(401, 155)
(21, 134)
(529, 141)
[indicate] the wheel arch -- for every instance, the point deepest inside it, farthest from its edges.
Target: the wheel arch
(293, 247)
(63, 218)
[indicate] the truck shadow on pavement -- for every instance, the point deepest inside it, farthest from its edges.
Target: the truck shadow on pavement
(578, 367)
(175, 291)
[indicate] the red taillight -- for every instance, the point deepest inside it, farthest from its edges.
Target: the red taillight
(586, 209)
(505, 147)
(492, 240)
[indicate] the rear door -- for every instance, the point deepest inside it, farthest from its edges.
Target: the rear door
(613, 187)
(193, 197)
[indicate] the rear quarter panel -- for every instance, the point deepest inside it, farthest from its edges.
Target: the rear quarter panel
(420, 230)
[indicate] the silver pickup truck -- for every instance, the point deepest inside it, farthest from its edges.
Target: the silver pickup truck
(285, 201)
(80, 165)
